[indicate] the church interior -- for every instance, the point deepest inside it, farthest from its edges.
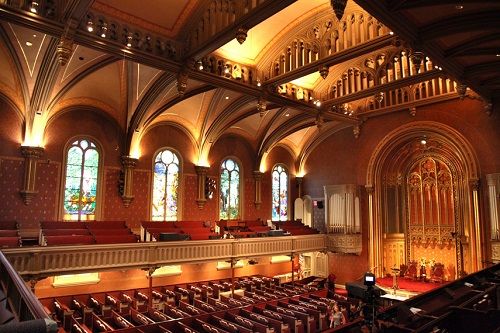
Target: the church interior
(168, 159)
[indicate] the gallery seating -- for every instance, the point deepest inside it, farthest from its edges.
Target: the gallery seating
(136, 311)
(78, 233)
(9, 234)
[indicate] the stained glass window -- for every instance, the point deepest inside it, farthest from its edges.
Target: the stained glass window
(165, 186)
(80, 189)
(280, 193)
(229, 207)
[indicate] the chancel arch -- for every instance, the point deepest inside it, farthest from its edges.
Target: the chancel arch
(422, 185)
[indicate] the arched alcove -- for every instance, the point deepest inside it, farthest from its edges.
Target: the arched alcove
(423, 201)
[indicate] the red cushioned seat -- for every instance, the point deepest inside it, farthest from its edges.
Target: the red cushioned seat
(10, 241)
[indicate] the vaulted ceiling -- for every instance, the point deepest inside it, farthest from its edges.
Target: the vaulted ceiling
(297, 75)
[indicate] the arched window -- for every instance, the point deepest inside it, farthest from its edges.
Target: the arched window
(280, 193)
(229, 207)
(165, 186)
(80, 186)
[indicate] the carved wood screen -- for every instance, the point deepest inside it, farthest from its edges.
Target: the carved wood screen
(431, 212)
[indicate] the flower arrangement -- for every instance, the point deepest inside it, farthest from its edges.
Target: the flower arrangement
(423, 261)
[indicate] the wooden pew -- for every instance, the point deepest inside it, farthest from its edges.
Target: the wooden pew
(218, 304)
(229, 325)
(278, 325)
(63, 314)
(98, 325)
(301, 313)
(204, 306)
(76, 327)
(98, 306)
(68, 240)
(140, 319)
(175, 313)
(248, 323)
(183, 328)
(115, 239)
(203, 326)
(294, 324)
(231, 301)
(157, 315)
(193, 311)
(117, 321)
(245, 299)
(319, 312)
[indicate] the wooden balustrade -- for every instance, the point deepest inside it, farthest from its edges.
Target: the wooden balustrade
(47, 261)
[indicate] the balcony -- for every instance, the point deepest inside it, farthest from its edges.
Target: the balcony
(57, 260)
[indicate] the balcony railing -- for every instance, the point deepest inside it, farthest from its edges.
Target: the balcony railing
(21, 304)
(48, 260)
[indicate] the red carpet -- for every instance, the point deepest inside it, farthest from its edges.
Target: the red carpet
(409, 285)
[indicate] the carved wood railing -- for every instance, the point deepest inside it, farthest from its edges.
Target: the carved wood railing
(21, 302)
(47, 261)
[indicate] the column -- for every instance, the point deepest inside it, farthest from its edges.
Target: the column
(372, 246)
(493, 196)
(476, 225)
(257, 176)
(128, 164)
(201, 171)
(31, 155)
(299, 181)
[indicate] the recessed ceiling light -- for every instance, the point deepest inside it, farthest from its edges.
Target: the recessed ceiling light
(459, 7)
(391, 32)
(34, 35)
(498, 54)
(287, 114)
(28, 43)
(81, 58)
(227, 97)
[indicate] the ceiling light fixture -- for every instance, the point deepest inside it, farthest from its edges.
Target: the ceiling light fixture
(226, 70)
(104, 28)
(34, 7)
(459, 6)
(199, 65)
(258, 83)
(90, 26)
(423, 141)
(28, 43)
(227, 97)
(129, 40)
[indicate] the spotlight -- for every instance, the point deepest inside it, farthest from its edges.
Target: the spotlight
(34, 7)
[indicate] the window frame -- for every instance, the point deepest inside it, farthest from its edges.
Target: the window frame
(179, 184)
(100, 177)
(287, 172)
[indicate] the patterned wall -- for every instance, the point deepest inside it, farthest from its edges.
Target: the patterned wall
(113, 204)
(444, 255)
(190, 210)
(43, 205)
